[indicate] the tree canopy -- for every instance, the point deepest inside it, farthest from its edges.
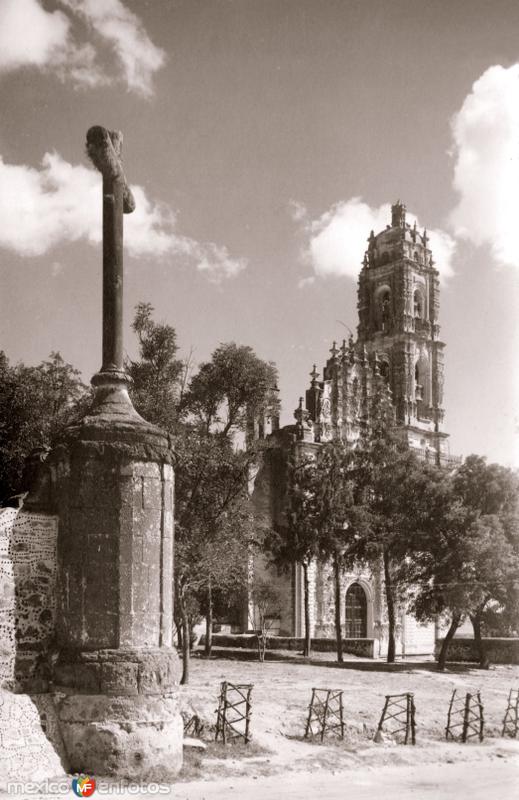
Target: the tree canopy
(36, 404)
(205, 412)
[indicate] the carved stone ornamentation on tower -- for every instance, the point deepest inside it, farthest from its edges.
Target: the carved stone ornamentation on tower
(398, 302)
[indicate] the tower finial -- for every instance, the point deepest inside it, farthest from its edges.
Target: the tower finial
(398, 215)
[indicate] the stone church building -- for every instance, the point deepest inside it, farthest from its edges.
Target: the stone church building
(398, 342)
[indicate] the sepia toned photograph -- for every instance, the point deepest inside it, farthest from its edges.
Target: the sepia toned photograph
(259, 399)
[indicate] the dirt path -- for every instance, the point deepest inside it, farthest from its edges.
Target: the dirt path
(489, 780)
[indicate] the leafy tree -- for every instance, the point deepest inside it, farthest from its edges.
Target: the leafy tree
(392, 486)
(234, 385)
(464, 561)
(491, 494)
(213, 528)
(267, 605)
(343, 518)
(297, 541)
(157, 374)
(36, 404)
(440, 565)
(212, 516)
(213, 473)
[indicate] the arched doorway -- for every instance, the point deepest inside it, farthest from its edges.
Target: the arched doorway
(356, 612)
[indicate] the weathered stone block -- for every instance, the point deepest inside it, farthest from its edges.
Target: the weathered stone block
(132, 737)
(147, 469)
(168, 524)
(146, 630)
(168, 496)
(119, 678)
(158, 675)
(125, 493)
(107, 486)
(79, 677)
(152, 493)
(102, 547)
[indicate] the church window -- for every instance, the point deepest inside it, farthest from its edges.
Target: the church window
(355, 396)
(356, 612)
(384, 370)
(384, 310)
(418, 304)
(419, 393)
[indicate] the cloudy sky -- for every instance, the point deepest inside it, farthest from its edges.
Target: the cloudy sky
(264, 139)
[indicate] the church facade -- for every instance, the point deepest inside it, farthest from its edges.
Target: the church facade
(398, 344)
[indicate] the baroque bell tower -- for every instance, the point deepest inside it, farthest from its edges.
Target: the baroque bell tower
(398, 305)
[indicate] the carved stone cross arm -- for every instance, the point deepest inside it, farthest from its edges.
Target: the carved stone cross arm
(104, 149)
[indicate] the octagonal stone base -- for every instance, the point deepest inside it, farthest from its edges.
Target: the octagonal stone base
(115, 673)
(119, 713)
(132, 738)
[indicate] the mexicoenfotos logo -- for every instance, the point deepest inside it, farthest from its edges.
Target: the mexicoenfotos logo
(84, 786)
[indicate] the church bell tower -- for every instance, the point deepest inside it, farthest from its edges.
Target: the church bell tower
(398, 305)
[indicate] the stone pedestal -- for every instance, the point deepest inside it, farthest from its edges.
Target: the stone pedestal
(119, 713)
(115, 675)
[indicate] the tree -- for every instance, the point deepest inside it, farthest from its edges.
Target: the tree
(157, 374)
(465, 559)
(212, 514)
(339, 518)
(213, 472)
(344, 519)
(297, 541)
(267, 605)
(213, 530)
(36, 404)
(392, 487)
(491, 493)
(439, 564)
(230, 388)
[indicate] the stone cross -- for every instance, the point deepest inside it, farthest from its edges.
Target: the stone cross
(104, 150)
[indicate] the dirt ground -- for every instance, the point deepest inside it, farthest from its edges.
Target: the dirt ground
(281, 696)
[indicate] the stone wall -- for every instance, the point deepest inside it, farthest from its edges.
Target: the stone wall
(31, 747)
(28, 544)
(358, 647)
(500, 651)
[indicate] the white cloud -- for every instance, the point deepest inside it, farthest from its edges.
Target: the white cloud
(215, 261)
(304, 282)
(61, 202)
(337, 240)
(297, 211)
(122, 29)
(30, 36)
(486, 172)
(442, 245)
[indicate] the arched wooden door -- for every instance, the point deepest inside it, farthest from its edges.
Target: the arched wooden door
(356, 612)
